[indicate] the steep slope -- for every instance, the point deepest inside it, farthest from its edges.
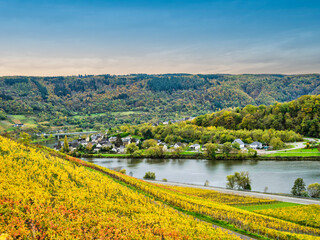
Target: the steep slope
(46, 197)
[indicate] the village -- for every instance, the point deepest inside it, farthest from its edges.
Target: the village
(102, 143)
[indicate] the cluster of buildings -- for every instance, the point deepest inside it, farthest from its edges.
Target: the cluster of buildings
(100, 142)
(254, 145)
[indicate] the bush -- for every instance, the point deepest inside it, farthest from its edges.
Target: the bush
(123, 171)
(150, 175)
(314, 190)
(131, 148)
(164, 180)
(137, 154)
(155, 152)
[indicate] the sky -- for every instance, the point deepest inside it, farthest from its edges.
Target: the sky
(71, 37)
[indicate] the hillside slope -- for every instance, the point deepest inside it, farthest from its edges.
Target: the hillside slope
(46, 197)
(141, 98)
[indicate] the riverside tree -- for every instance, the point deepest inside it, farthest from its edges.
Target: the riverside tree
(211, 150)
(314, 190)
(131, 148)
(298, 187)
(240, 181)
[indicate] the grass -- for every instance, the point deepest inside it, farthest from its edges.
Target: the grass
(267, 206)
(189, 153)
(114, 155)
(304, 150)
(294, 154)
(126, 113)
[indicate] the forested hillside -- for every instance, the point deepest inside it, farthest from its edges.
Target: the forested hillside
(105, 100)
(301, 115)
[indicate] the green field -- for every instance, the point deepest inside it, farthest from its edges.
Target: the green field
(294, 154)
(268, 206)
(304, 150)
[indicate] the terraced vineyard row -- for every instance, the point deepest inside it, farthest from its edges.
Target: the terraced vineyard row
(229, 199)
(305, 215)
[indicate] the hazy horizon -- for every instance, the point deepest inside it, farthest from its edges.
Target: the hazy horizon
(63, 38)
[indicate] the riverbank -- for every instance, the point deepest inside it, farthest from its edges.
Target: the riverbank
(201, 156)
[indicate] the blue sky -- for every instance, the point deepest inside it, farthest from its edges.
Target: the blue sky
(121, 37)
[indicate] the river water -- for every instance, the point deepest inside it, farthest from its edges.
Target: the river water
(278, 176)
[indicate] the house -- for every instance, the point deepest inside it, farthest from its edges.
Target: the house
(121, 149)
(74, 143)
(58, 145)
(106, 144)
(256, 145)
(177, 145)
(195, 147)
(126, 140)
(112, 139)
(18, 125)
(241, 143)
(165, 148)
(83, 142)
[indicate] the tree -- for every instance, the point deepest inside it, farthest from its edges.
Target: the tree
(177, 150)
(236, 145)
(149, 143)
(59, 146)
(314, 190)
(226, 148)
(25, 138)
(118, 142)
(252, 152)
(211, 150)
(131, 148)
(276, 143)
(89, 147)
(298, 187)
(231, 181)
(243, 180)
(147, 134)
(156, 152)
(65, 144)
(240, 181)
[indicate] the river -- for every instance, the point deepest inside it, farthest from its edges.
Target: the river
(278, 176)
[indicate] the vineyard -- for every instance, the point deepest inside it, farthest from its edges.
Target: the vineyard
(229, 199)
(304, 215)
(46, 195)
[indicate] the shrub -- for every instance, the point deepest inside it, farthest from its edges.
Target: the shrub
(137, 154)
(150, 175)
(123, 171)
(314, 190)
